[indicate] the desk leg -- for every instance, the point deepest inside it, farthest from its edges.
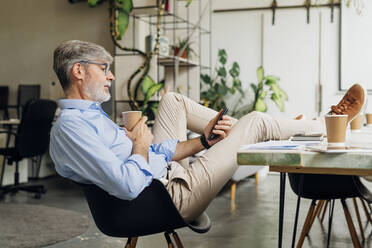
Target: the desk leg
(281, 207)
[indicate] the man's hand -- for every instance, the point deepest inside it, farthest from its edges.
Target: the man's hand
(222, 128)
(141, 138)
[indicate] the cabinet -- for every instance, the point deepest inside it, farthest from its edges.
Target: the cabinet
(177, 23)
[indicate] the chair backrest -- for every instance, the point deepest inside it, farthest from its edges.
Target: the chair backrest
(34, 129)
(153, 211)
(25, 94)
(323, 187)
(4, 95)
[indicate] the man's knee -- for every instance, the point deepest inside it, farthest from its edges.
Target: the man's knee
(171, 97)
(254, 115)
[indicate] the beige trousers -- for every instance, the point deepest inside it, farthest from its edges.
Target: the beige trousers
(192, 187)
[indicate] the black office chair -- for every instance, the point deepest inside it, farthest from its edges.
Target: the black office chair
(25, 93)
(153, 211)
(4, 95)
(326, 187)
(31, 139)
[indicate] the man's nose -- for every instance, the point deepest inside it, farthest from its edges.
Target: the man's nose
(110, 76)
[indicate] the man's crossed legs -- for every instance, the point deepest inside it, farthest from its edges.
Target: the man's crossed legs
(192, 187)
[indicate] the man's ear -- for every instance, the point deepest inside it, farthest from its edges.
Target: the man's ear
(78, 71)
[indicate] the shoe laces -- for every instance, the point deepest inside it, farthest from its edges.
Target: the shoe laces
(345, 104)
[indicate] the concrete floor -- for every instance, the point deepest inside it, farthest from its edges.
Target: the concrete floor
(251, 222)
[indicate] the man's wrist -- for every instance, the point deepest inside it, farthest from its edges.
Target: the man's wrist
(204, 142)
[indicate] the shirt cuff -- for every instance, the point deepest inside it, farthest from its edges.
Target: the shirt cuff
(167, 147)
(141, 163)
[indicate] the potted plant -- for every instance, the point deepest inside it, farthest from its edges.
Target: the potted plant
(185, 46)
(222, 85)
(267, 86)
(216, 89)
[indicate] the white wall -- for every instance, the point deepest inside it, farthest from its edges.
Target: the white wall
(300, 54)
(30, 30)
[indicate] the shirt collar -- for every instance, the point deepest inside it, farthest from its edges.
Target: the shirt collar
(78, 104)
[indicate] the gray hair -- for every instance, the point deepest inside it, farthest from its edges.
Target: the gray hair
(70, 52)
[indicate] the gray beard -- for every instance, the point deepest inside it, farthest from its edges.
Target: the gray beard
(97, 96)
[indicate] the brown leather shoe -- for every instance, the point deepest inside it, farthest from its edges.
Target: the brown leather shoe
(353, 102)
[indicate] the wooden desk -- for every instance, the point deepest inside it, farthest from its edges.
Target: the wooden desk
(300, 161)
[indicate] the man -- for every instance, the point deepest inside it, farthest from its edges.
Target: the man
(87, 147)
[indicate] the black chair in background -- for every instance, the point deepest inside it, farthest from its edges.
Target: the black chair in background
(4, 95)
(25, 93)
(152, 212)
(326, 187)
(31, 139)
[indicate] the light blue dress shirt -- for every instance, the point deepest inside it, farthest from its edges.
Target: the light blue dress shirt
(87, 147)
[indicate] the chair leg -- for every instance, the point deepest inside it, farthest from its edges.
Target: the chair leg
(330, 218)
(232, 191)
(368, 215)
(257, 178)
(296, 220)
(350, 224)
(324, 211)
(128, 244)
(358, 218)
(2, 172)
(177, 240)
(133, 242)
(320, 208)
(169, 240)
(305, 228)
(316, 213)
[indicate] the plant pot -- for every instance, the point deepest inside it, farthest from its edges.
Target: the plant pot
(184, 54)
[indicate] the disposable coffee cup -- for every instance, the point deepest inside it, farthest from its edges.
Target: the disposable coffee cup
(357, 123)
(336, 129)
(369, 119)
(131, 118)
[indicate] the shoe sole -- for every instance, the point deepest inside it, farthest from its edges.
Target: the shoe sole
(363, 108)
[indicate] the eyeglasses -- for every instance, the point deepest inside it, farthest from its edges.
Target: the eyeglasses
(106, 65)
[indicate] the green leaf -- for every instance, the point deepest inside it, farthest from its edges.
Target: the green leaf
(272, 78)
(92, 3)
(155, 88)
(188, 2)
(254, 87)
(278, 101)
(260, 74)
(127, 5)
(221, 89)
(222, 56)
(263, 94)
(206, 79)
(222, 72)
(260, 105)
(235, 70)
(154, 107)
(123, 22)
(237, 82)
(147, 83)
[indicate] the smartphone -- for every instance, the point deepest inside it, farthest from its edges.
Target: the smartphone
(213, 136)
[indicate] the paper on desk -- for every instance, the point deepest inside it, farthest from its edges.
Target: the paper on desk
(279, 145)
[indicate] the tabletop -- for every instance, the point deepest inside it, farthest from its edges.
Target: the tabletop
(304, 161)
